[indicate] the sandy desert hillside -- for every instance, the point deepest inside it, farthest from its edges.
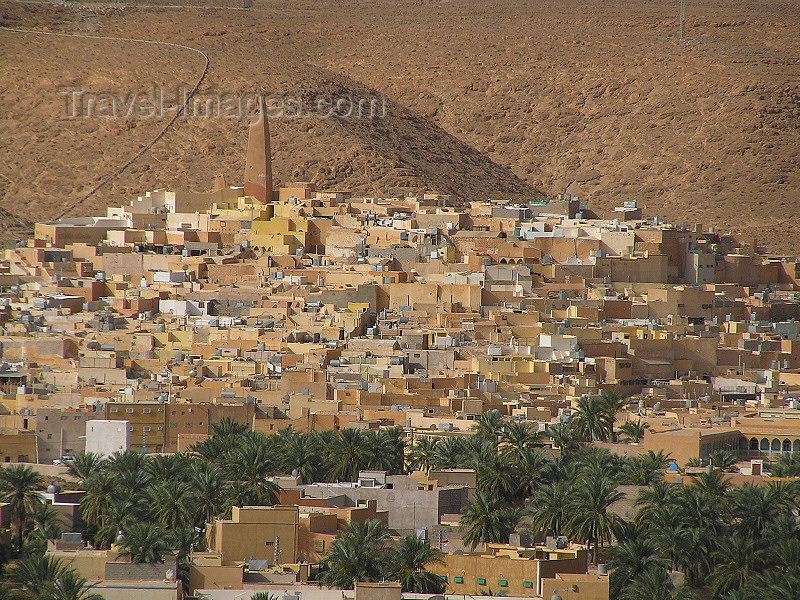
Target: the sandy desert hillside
(504, 99)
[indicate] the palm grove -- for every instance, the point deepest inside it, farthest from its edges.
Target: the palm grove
(732, 543)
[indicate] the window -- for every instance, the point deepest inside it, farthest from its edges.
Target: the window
(527, 584)
(129, 409)
(443, 577)
(173, 424)
(189, 424)
(503, 582)
(146, 428)
(481, 581)
(49, 436)
(458, 579)
(147, 410)
(77, 418)
(113, 409)
(63, 417)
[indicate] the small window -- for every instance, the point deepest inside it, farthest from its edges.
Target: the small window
(113, 409)
(129, 409)
(443, 577)
(481, 581)
(49, 436)
(189, 424)
(146, 428)
(173, 424)
(458, 579)
(527, 584)
(63, 417)
(77, 418)
(131, 427)
(147, 410)
(503, 582)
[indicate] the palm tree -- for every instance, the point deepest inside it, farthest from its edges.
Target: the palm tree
(173, 503)
(612, 402)
(34, 573)
(654, 584)
(69, 586)
(722, 459)
(486, 519)
(300, 452)
(350, 452)
(494, 475)
(712, 485)
(251, 463)
(209, 492)
(755, 508)
(788, 465)
(660, 495)
(144, 543)
(100, 489)
(489, 426)
(563, 436)
(735, 559)
(85, 465)
(423, 453)
(517, 435)
(529, 466)
(591, 520)
(228, 427)
(408, 562)
(129, 460)
(18, 487)
(389, 450)
(357, 554)
(46, 526)
(548, 508)
(167, 467)
(591, 420)
(665, 527)
(633, 431)
(451, 453)
(631, 559)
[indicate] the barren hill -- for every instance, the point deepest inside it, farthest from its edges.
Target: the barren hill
(509, 98)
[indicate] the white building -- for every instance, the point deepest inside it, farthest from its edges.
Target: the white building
(107, 437)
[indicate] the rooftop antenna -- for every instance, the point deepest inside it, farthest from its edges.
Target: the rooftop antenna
(681, 19)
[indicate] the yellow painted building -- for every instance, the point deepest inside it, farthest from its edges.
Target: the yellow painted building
(506, 569)
(259, 532)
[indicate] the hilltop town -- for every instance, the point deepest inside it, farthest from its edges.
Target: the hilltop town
(349, 351)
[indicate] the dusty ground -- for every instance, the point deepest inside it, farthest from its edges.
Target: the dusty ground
(509, 98)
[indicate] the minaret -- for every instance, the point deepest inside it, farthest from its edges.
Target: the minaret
(258, 166)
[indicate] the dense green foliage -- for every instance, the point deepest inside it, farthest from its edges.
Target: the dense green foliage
(736, 543)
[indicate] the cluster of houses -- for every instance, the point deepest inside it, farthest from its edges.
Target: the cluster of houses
(319, 310)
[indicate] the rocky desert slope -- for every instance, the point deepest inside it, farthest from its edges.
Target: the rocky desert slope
(512, 98)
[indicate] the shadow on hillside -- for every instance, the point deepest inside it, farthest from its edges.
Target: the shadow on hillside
(418, 147)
